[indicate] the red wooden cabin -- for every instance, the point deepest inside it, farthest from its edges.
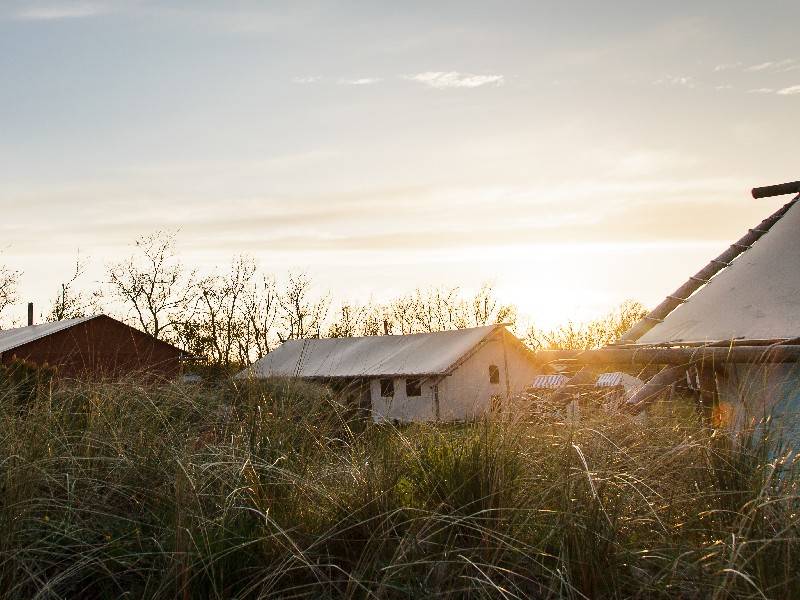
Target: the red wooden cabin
(94, 346)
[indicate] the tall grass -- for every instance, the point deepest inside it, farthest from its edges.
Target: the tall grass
(278, 491)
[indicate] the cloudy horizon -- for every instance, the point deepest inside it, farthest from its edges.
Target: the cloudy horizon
(574, 154)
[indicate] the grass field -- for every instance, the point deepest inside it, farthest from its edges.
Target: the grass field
(277, 491)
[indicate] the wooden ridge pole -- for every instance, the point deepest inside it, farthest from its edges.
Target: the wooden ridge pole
(702, 277)
(673, 356)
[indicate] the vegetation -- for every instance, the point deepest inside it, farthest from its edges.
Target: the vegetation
(121, 489)
(234, 317)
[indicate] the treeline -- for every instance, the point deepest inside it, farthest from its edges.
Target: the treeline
(238, 315)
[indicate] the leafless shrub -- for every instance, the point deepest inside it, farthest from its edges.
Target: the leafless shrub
(153, 285)
(9, 279)
(594, 334)
(71, 302)
(301, 316)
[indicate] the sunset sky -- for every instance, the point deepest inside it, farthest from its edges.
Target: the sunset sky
(575, 153)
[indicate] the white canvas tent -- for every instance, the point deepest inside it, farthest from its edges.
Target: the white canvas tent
(756, 297)
(448, 375)
(750, 310)
(734, 324)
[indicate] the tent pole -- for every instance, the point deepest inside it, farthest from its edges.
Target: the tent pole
(657, 384)
(564, 394)
(673, 356)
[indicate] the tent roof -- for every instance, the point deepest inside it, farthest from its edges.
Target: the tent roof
(418, 354)
(19, 336)
(756, 297)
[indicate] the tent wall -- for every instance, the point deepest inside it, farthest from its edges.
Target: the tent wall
(401, 407)
(468, 392)
(749, 394)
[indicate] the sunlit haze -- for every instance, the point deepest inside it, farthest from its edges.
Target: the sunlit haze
(574, 153)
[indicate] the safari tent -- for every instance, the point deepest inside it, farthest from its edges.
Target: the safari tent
(734, 326)
(440, 376)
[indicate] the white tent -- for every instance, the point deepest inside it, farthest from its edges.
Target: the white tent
(752, 301)
(447, 375)
(756, 297)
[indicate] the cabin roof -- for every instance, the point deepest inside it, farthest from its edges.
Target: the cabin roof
(420, 354)
(19, 336)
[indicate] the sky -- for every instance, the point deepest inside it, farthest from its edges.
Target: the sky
(573, 153)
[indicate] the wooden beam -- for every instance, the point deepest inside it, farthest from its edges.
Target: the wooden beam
(673, 356)
(655, 386)
(777, 190)
(582, 378)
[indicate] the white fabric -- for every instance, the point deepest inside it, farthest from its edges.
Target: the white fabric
(401, 355)
(756, 297)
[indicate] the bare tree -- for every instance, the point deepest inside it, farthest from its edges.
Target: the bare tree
(442, 309)
(485, 309)
(260, 311)
(154, 285)
(9, 279)
(220, 301)
(301, 315)
(350, 323)
(402, 315)
(375, 319)
(435, 309)
(594, 334)
(71, 303)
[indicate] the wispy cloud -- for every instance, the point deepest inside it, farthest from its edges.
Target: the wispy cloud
(677, 80)
(775, 66)
(307, 79)
(453, 79)
(727, 67)
(52, 12)
(789, 91)
(360, 81)
(792, 90)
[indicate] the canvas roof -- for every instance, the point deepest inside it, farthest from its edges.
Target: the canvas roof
(372, 356)
(19, 336)
(756, 297)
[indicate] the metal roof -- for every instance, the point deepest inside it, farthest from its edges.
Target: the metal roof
(372, 356)
(549, 382)
(755, 297)
(618, 378)
(19, 336)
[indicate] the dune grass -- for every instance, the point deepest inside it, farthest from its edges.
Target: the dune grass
(278, 491)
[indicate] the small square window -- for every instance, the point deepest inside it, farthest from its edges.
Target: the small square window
(494, 374)
(387, 388)
(413, 387)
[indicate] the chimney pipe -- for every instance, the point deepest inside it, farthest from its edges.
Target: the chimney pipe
(30, 314)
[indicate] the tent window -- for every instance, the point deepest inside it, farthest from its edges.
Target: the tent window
(413, 387)
(494, 374)
(387, 388)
